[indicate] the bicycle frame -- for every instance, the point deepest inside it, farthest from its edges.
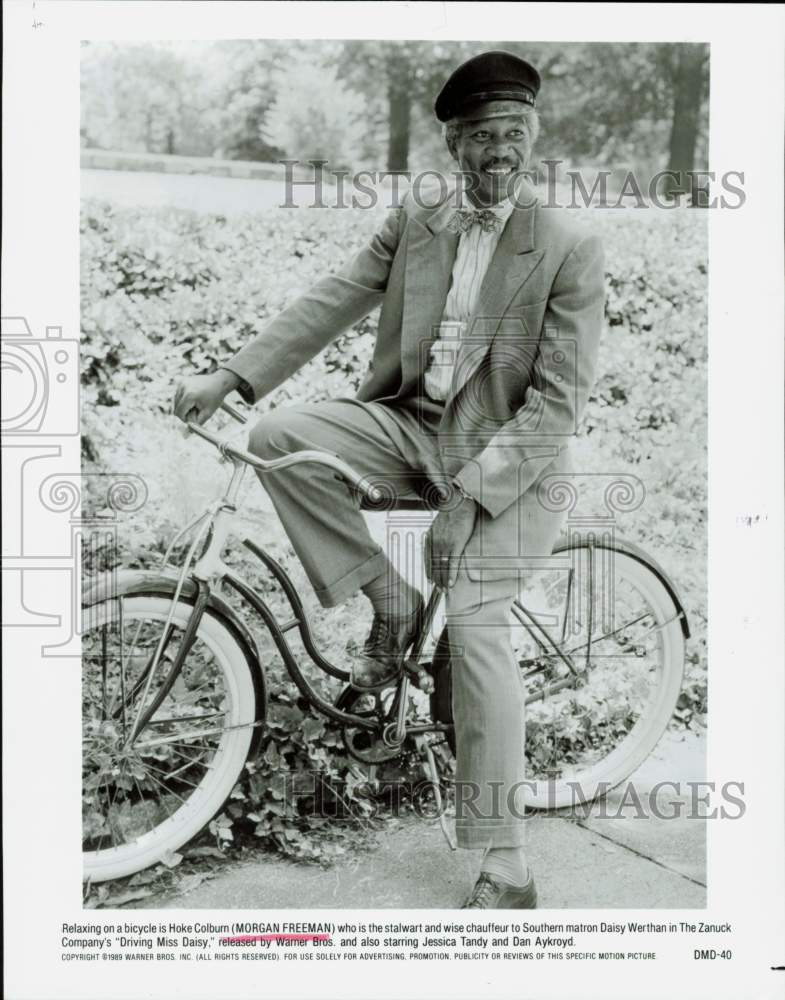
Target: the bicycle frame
(210, 571)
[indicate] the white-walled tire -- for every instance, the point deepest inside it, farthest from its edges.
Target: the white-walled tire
(146, 798)
(638, 672)
(611, 748)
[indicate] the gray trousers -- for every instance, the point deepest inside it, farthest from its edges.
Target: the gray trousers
(328, 532)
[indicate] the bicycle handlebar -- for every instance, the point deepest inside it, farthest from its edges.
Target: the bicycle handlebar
(239, 417)
(352, 477)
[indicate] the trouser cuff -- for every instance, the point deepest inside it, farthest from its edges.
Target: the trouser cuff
(340, 591)
(474, 838)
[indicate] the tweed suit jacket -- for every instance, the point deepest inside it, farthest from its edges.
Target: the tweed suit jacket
(523, 371)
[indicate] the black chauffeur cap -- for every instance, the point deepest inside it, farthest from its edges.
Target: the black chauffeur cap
(490, 76)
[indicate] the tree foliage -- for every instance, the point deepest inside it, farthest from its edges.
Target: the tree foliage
(137, 98)
(314, 116)
(602, 104)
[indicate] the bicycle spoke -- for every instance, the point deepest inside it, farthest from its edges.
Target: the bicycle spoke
(168, 790)
(108, 811)
(172, 774)
(193, 761)
(181, 736)
(114, 796)
(123, 659)
(610, 635)
(185, 718)
(190, 746)
(143, 800)
(103, 672)
(122, 664)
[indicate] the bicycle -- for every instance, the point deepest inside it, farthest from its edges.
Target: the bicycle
(175, 698)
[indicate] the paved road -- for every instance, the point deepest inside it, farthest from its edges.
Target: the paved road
(224, 195)
(616, 860)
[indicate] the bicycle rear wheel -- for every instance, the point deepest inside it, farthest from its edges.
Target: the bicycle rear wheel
(147, 794)
(599, 699)
(620, 628)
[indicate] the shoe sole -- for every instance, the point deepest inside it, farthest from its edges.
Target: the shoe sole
(519, 900)
(514, 899)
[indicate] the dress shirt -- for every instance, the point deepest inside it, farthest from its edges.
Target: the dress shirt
(475, 250)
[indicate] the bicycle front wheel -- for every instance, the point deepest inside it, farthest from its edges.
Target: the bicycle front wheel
(146, 791)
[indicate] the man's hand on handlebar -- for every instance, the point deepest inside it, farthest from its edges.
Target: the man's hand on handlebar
(199, 396)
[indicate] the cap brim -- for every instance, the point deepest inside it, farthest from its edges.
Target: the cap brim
(482, 110)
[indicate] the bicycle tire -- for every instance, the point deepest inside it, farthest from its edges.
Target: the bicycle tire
(607, 772)
(227, 683)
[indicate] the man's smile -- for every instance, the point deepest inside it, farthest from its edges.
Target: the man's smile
(498, 170)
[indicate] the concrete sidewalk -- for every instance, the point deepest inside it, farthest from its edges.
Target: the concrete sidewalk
(618, 860)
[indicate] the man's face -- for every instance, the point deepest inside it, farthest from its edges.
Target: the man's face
(492, 150)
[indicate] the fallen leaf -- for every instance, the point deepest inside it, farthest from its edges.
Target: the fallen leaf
(171, 859)
(191, 882)
(207, 852)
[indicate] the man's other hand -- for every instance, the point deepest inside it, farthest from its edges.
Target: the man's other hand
(198, 397)
(445, 541)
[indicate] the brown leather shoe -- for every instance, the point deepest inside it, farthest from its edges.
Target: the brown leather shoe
(380, 660)
(489, 894)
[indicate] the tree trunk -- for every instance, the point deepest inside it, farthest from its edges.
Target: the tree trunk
(400, 110)
(688, 84)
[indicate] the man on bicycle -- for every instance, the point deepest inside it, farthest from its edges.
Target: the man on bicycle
(491, 310)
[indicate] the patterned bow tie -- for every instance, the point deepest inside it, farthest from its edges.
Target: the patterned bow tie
(464, 218)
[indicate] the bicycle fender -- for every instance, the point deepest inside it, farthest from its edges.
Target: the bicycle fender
(124, 582)
(635, 551)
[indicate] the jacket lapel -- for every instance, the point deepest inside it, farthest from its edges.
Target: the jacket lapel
(430, 256)
(513, 263)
